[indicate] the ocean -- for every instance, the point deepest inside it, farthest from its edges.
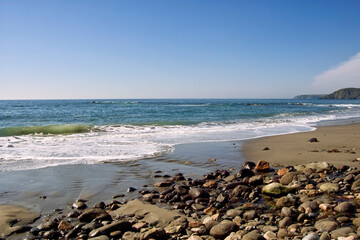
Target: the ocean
(42, 133)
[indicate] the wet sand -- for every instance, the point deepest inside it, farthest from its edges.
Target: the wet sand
(338, 145)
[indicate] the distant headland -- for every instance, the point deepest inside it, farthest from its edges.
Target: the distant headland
(345, 93)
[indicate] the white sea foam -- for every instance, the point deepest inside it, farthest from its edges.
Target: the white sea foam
(127, 142)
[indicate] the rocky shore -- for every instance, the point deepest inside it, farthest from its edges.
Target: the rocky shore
(312, 201)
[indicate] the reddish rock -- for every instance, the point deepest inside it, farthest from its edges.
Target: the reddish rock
(282, 171)
(166, 183)
(262, 166)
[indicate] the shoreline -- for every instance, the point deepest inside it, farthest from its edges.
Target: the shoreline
(284, 150)
(336, 144)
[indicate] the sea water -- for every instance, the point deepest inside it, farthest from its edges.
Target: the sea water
(41, 133)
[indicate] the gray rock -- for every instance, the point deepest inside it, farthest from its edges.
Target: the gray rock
(287, 178)
(114, 226)
(341, 232)
(154, 233)
(79, 205)
(285, 222)
(223, 229)
(269, 235)
(198, 193)
(326, 224)
(102, 237)
(233, 213)
(311, 236)
(325, 236)
(253, 235)
(94, 213)
(249, 215)
(355, 186)
(329, 187)
(345, 207)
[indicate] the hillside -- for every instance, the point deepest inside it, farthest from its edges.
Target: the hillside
(345, 93)
(309, 96)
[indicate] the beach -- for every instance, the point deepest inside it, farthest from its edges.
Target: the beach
(338, 145)
(54, 190)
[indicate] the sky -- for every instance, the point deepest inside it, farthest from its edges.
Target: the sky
(177, 49)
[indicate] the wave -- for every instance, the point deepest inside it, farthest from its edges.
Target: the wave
(50, 129)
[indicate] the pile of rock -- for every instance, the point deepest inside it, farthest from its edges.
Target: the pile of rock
(314, 201)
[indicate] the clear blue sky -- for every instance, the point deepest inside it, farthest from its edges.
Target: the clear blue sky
(177, 49)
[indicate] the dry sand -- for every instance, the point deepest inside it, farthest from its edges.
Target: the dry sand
(338, 145)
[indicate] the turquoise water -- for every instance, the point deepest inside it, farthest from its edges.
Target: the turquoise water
(40, 133)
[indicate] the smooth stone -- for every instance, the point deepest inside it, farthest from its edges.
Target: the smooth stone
(270, 235)
(198, 193)
(154, 233)
(329, 187)
(253, 235)
(341, 232)
(102, 237)
(249, 215)
(233, 213)
(287, 178)
(311, 236)
(355, 186)
(94, 213)
(114, 226)
(256, 180)
(325, 236)
(222, 229)
(285, 222)
(262, 166)
(345, 207)
(276, 189)
(326, 224)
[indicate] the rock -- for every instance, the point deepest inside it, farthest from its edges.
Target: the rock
(325, 236)
(154, 233)
(345, 207)
(194, 237)
(311, 236)
(282, 172)
(245, 172)
(355, 186)
(47, 226)
(356, 222)
(166, 183)
(317, 166)
(181, 189)
(266, 149)
(288, 212)
(79, 205)
(64, 225)
(249, 215)
(223, 229)
(341, 232)
(313, 140)
(233, 213)
(262, 166)
(240, 190)
(114, 226)
(94, 213)
(329, 187)
(270, 235)
(198, 193)
(102, 237)
(276, 190)
(287, 178)
(326, 224)
(284, 202)
(253, 235)
(256, 180)
(285, 222)
(249, 165)
(52, 234)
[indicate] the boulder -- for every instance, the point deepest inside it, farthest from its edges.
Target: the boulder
(223, 229)
(276, 190)
(262, 166)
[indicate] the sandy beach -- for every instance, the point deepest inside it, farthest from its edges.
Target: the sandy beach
(338, 145)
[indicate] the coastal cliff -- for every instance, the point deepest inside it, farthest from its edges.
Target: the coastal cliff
(345, 93)
(342, 94)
